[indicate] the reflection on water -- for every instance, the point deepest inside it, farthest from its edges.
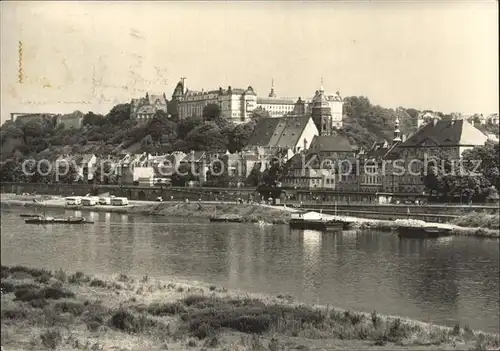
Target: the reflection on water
(443, 281)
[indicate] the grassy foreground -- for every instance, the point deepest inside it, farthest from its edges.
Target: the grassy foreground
(54, 310)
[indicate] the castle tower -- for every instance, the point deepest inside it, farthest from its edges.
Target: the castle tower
(321, 112)
(179, 90)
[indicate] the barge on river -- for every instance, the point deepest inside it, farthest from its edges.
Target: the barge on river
(52, 220)
(314, 221)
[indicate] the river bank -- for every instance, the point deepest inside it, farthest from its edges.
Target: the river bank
(480, 225)
(252, 213)
(62, 311)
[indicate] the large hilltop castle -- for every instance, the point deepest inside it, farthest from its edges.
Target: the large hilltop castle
(237, 105)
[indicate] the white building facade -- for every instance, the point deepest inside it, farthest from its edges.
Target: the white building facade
(236, 105)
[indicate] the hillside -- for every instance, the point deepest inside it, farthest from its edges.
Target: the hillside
(364, 123)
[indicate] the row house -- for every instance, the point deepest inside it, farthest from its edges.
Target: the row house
(135, 168)
(85, 165)
(438, 140)
(329, 163)
(372, 167)
(319, 174)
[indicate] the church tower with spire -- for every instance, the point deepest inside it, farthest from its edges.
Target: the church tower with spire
(272, 94)
(397, 132)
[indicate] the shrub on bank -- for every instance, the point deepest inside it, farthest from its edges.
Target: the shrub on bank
(30, 293)
(34, 272)
(482, 219)
(129, 322)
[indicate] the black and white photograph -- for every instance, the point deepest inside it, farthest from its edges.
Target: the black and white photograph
(250, 175)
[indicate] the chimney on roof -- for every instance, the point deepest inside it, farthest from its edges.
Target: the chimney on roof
(192, 152)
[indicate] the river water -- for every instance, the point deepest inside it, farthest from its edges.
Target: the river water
(444, 281)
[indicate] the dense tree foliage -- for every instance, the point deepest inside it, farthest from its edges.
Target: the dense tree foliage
(474, 178)
(183, 176)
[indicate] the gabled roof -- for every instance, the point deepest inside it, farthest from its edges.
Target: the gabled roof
(153, 98)
(195, 156)
(263, 132)
(330, 143)
(446, 133)
(313, 160)
(146, 109)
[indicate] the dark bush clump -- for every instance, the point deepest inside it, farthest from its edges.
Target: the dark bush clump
(7, 287)
(98, 283)
(78, 278)
(33, 293)
(167, 309)
(38, 303)
(5, 272)
(34, 272)
(51, 339)
(75, 308)
(128, 322)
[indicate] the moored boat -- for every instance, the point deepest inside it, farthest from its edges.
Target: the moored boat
(423, 232)
(345, 224)
(303, 224)
(52, 220)
(26, 215)
(314, 221)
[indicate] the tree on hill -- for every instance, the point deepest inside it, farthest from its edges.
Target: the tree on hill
(187, 125)
(11, 131)
(147, 144)
(119, 114)
(239, 136)
(211, 112)
(365, 123)
(161, 128)
(172, 108)
(93, 119)
(206, 136)
(32, 129)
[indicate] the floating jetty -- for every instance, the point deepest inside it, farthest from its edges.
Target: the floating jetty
(411, 228)
(227, 219)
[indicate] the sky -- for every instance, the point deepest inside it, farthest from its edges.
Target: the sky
(89, 56)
